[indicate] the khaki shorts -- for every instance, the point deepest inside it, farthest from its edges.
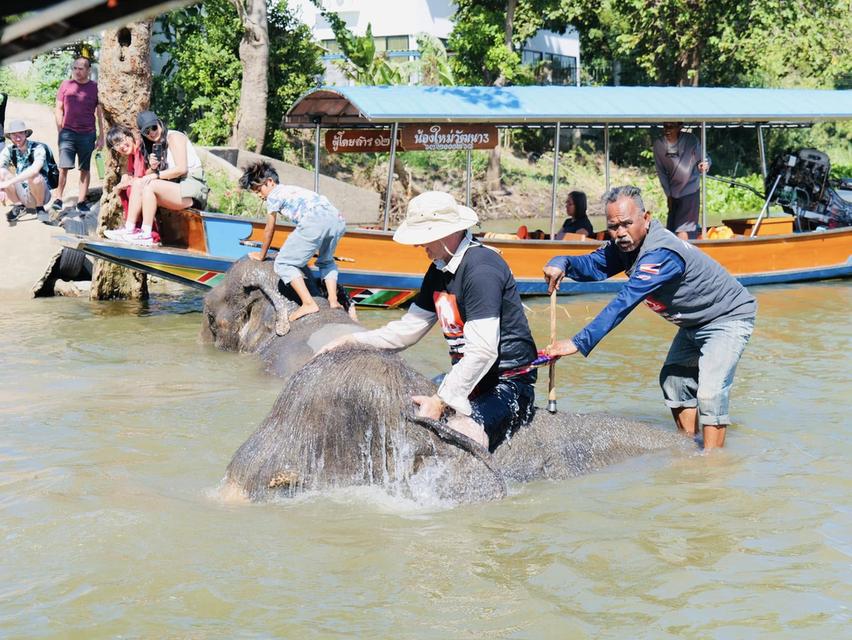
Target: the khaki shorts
(196, 189)
(27, 199)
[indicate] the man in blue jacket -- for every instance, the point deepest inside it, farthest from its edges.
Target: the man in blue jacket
(685, 286)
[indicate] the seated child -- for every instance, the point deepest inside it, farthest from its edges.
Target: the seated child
(319, 227)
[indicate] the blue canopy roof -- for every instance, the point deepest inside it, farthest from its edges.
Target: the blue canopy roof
(348, 106)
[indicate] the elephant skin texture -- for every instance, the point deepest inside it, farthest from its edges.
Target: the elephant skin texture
(345, 417)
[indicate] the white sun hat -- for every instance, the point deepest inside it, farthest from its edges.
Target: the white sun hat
(434, 215)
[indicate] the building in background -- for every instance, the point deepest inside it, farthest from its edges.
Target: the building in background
(395, 27)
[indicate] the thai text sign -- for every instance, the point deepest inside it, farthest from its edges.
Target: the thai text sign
(433, 137)
(357, 140)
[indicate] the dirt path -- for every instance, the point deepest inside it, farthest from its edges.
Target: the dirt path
(28, 246)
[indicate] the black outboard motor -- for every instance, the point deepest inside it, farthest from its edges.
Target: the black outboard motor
(805, 190)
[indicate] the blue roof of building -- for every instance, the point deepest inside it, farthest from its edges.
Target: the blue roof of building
(347, 106)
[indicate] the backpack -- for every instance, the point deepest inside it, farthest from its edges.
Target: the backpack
(50, 171)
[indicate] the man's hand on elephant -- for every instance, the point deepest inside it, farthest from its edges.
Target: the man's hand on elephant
(256, 255)
(553, 276)
(561, 348)
(339, 341)
(430, 406)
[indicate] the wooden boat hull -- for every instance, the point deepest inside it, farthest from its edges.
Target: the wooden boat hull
(379, 272)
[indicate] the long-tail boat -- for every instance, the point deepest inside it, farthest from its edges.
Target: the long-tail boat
(198, 247)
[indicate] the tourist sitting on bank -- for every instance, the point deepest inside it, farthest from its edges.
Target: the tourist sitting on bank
(577, 221)
(174, 179)
(23, 172)
(127, 145)
(319, 227)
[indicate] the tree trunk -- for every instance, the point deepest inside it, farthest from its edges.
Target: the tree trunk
(493, 172)
(124, 89)
(250, 126)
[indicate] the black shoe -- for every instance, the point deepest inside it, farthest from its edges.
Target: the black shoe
(13, 213)
(42, 216)
(82, 207)
(57, 204)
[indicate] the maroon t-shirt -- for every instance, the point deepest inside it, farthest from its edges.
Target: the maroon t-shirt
(79, 101)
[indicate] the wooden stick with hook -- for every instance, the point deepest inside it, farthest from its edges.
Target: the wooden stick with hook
(551, 383)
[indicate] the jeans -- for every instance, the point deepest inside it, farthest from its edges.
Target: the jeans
(316, 233)
(699, 369)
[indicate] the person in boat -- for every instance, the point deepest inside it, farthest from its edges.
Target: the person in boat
(577, 221)
(319, 228)
(685, 286)
(174, 179)
(678, 158)
(471, 292)
(127, 145)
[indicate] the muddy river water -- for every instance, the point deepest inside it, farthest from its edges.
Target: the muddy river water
(116, 426)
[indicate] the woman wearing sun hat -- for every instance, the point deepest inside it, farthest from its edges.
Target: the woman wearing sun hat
(471, 292)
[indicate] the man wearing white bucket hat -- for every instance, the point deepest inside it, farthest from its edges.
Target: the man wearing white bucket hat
(23, 167)
(470, 290)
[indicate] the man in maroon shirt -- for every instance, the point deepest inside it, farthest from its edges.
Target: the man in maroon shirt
(77, 107)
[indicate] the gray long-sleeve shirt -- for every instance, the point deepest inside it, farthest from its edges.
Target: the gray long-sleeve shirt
(677, 164)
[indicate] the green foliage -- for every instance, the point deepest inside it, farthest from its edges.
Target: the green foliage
(478, 40)
(199, 88)
(433, 66)
(361, 62)
(226, 197)
(43, 80)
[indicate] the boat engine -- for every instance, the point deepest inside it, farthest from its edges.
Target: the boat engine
(806, 190)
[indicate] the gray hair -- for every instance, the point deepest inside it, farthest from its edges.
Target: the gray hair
(627, 191)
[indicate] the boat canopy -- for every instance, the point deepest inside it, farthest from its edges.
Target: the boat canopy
(579, 106)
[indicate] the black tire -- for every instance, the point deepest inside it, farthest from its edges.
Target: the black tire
(71, 264)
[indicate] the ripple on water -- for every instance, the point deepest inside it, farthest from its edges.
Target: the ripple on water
(114, 428)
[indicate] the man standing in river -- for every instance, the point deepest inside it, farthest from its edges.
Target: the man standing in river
(685, 286)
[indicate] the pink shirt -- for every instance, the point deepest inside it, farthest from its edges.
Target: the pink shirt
(79, 102)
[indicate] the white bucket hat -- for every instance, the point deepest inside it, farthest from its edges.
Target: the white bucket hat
(434, 215)
(17, 126)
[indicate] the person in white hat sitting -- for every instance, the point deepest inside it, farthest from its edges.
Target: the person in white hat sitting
(23, 165)
(470, 290)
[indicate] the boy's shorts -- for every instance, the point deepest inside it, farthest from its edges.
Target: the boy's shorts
(318, 233)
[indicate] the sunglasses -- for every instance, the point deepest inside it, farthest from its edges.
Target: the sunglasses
(147, 130)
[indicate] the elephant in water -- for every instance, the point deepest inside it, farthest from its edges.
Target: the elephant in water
(346, 418)
(247, 312)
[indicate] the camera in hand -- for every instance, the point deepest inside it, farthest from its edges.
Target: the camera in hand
(157, 151)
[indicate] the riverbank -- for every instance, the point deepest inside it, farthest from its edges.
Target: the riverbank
(27, 247)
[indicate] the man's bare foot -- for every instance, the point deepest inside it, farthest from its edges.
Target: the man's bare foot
(304, 310)
(334, 305)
